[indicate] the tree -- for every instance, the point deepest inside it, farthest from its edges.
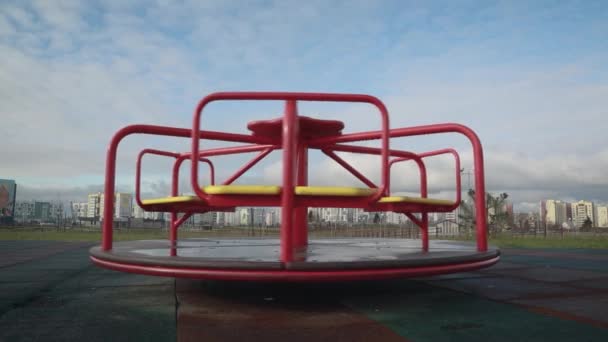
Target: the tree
(498, 218)
(466, 222)
(587, 224)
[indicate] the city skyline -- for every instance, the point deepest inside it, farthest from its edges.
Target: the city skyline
(125, 202)
(85, 192)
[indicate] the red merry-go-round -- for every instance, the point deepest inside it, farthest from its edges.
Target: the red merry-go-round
(293, 256)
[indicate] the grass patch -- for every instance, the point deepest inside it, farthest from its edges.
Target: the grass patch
(569, 241)
(53, 234)
(580, 240)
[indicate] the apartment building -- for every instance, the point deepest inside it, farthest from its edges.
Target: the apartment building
(556, 212)
(79, 209)
(123, 205)
(582, 210)
(602, 217)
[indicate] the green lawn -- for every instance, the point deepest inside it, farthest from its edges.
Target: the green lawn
(581, 241)
(95, 235)
(552, 241)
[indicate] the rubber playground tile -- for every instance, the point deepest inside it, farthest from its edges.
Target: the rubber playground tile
(66, 260)
(502, 288)
(592, 307)
(13, 259)
(31, 250)
(549, 274)
(54, 298)
(453, 276)
(117, 314)
(16, 275)
(590, 265)
(502, 265)
(600, 284)
(445, 315)
(130, 296)
(119, 324)
(96, 277)
(255, 312)
(15, 294)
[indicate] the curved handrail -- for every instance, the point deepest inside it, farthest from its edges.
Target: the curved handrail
(456, 156)
(179, 158)
(138, 169)
(177, 165)
(478, 164)
(110, 165)
(291, 96)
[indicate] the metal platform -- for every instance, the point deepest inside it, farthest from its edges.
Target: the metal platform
(321, 260)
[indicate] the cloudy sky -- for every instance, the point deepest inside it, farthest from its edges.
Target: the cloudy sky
(530, 77)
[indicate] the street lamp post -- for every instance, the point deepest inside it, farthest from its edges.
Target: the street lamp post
(468, 173)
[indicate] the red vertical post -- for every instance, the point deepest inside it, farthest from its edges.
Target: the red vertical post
(424, 227)
(108, 209)
(300, 224)
(174, 192)
(108, 197)
(480, 194)
(290, 139)
(173, 233)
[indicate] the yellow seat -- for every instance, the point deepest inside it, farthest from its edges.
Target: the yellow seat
(419, 200)
(168, 200)
(299, 190)
(333, 191)
(242, 189)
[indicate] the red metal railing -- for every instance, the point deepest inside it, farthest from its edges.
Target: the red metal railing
(293, 230)
(291, 162)
(179, 159)
(478, 164)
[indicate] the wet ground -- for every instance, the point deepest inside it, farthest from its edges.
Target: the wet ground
(49, 291)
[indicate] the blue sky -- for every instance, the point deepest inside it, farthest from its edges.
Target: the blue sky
(529, 77)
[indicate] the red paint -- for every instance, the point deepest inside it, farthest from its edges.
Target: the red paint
(309, 127)
(300, 218)
(290, 138)
(295, 276)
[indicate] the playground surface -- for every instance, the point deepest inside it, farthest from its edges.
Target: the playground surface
(50, 291)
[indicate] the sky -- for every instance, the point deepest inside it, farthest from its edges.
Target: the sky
(529, 77)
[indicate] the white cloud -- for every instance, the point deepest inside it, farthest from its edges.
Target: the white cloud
(74, 72)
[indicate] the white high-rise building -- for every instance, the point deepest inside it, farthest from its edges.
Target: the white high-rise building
(556, 212)
(395, 218)
(231, 219)
(94, 205)
(79, 209)
(582, 210)
(24, 210)
(138, 212)
(272, 217)
(452, 216)
(602, 217)
(244, 216)
(220, 219)
(123, 205)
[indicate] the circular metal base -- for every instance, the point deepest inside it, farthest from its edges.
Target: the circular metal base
(321, 260)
